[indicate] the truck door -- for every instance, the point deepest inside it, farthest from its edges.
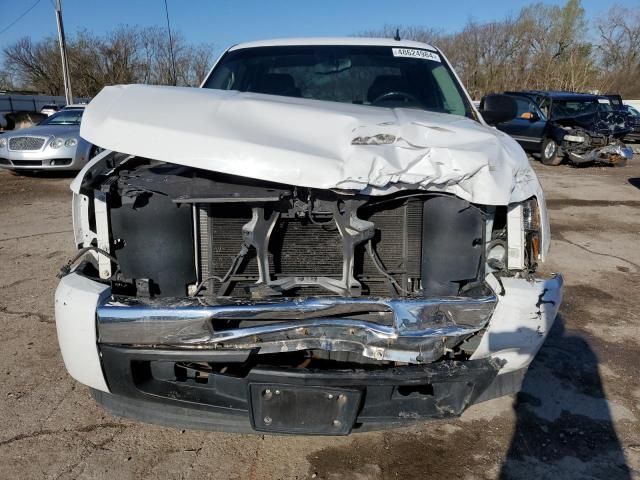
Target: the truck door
(528, 126)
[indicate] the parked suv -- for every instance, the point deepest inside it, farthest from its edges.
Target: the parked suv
(581, 127)
(336, 240)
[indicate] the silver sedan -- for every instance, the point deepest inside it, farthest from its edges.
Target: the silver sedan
(50, 145)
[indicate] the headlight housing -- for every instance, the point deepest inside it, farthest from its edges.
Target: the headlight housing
(574, 138)
(532, 224)
(524, 235)
(56, 143)
(3, 142)
(71, 142)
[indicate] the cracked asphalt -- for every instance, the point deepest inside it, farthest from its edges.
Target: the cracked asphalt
(578, 415)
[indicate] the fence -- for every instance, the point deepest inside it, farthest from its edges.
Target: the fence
(32, 103)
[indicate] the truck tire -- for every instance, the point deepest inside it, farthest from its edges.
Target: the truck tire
(549, 152)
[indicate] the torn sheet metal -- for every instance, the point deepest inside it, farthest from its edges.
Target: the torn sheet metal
(312, 143)
(610, 154)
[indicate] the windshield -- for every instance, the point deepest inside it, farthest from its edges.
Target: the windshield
(65, 117)
(604, 105)
(379, 76)
(573, 108)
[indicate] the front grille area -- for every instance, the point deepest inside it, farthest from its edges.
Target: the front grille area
(598, 140)
(4, 161)
(259, 240)
(299, 248)
(26, 143)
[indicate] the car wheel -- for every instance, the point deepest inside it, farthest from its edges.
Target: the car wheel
(549, 152)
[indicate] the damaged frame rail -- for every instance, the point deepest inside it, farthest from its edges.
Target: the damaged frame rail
(403, 330)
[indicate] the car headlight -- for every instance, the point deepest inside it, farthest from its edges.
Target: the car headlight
(3, 142)
(574, 138)
(71, 142)
(57, 143)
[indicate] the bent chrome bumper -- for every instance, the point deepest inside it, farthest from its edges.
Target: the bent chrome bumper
(609, 154)
(514, 323)
(413, 330)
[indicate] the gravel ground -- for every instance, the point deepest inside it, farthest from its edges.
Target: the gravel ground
(577, 417)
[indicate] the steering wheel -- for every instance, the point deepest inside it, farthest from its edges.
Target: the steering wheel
(397, 93)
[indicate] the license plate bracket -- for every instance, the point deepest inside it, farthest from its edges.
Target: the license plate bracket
(309, 410)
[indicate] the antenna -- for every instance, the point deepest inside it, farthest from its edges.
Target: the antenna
(397, 37)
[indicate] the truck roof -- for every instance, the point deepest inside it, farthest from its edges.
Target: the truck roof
(336, 41)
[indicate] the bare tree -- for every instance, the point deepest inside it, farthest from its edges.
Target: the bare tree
(124, 55)
(542, 47)
(6, 81)
(619, 50)
(36, 66)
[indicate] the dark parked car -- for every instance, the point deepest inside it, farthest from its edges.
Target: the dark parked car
(582, 127)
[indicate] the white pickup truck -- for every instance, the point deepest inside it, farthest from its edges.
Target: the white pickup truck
(326, 237)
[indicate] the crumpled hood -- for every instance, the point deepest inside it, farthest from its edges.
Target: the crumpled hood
(607, 123)
(311, 143)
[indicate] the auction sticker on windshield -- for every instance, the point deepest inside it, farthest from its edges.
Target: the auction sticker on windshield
(416, 53)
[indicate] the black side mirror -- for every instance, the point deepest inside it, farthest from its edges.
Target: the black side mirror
(496, 108)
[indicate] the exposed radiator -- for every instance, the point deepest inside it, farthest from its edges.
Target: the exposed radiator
(299, 247)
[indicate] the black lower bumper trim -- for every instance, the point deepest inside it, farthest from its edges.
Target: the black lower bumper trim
(145, 385)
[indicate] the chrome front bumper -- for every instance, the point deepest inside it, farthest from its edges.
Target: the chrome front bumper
(63, 158)
(413, 330)
(513, 324)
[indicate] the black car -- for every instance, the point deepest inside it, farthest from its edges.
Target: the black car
(582, 127)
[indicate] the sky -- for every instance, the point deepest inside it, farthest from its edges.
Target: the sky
(223, 23)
